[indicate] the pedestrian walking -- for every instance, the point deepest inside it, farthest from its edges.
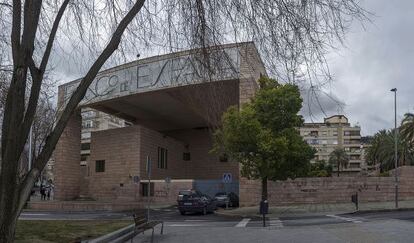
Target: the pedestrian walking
(48, 192)
(42, 193)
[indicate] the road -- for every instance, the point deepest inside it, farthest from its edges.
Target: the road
(364, 227)
(395, 226)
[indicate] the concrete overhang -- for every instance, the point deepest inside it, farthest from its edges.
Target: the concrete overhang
(192, 106)
(180, 90)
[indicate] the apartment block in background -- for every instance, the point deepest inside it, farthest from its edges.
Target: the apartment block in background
(92, 121)
(336, 132)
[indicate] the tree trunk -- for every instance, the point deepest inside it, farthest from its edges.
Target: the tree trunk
(264, 188)
(337, 169)
(14, 190)
(7, 228)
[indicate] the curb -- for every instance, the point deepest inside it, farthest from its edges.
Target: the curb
(249, 215)
(380, 211)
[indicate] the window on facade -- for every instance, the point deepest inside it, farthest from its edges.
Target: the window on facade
(84, 157)
(186, 156)
(314, 133)
(85, 146)
(100, 166)
(87, 124)
(162, 158)
(144, 189)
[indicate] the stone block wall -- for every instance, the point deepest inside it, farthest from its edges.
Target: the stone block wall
(203, 164)
(120, 150)
(149, 142)
(329, 189)
(251, 68)
(125, 152)
(66, 170)
(166, 193)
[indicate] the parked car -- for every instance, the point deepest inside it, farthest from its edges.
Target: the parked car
(227, 198)
(195, 201)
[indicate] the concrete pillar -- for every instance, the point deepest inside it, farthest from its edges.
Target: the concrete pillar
(66, 170)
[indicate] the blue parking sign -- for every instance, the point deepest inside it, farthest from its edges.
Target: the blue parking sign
(227, 178)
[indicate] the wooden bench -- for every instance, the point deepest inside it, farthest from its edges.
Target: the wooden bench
(142, 224)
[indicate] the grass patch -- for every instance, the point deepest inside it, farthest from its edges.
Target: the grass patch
(43, 231)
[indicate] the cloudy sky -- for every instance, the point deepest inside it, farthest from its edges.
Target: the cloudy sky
(375, 59)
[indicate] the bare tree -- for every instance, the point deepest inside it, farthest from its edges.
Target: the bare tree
(292, 35)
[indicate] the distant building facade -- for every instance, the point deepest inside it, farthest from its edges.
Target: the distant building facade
(93, 121)
(336, 132)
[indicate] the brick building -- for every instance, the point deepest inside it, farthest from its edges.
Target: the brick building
(172, 103)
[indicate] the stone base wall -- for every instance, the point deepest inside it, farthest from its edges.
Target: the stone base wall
(167, 193)
(66, 170)
(329, 189)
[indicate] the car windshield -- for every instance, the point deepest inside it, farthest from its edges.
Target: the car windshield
(220, 194)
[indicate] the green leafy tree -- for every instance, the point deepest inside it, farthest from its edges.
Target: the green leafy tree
(262, 135)
(320, 169)
(407, 129)
(382, 151)
(339, 158)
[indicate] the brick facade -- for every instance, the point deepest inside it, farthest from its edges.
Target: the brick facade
(67, 156)
(125, 152)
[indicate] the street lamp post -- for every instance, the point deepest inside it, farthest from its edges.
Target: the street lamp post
(395, 147)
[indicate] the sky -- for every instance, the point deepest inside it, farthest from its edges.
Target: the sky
(376, 58)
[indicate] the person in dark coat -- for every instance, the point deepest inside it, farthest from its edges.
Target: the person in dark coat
(42, 193)
(49, 188)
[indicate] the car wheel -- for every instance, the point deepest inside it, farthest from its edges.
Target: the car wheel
(204, 211)
(182, 212)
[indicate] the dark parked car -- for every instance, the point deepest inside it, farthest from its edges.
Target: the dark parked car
(195, 201)
(229, 198)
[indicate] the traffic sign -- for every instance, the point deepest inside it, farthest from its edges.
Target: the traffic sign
(227, 178)
(136, 179)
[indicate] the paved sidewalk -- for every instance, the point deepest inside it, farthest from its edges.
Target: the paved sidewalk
(314, 209)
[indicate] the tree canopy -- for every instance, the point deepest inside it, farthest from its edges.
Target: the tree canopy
(262, 135)
(382, 151)
(339, 158)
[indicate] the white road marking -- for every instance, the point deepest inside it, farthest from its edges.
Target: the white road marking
(243, 222)
(275, 222)
(196, 220)
(344, 218)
